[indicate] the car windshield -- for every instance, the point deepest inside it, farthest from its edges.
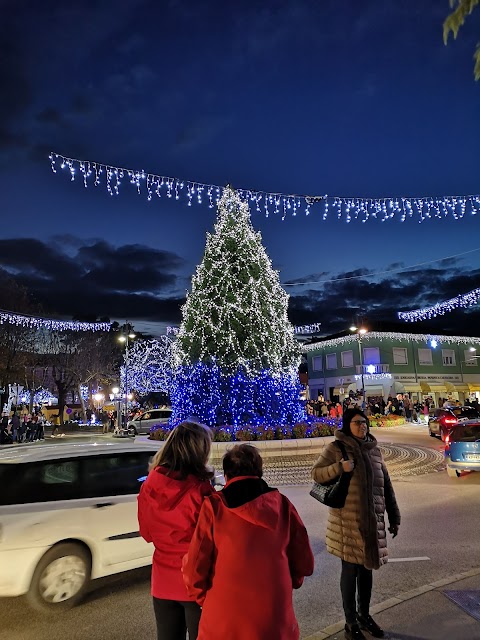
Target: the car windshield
(466, 412)
(466, 433)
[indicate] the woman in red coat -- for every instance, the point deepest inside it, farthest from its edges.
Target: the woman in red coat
(249, 550)
(168, 506)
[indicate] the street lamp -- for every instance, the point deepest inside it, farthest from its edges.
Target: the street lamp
(360, 332)
(98, 397)
(126, 338)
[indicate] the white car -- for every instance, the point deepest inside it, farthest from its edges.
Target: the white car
(142, 424)
(68, 514)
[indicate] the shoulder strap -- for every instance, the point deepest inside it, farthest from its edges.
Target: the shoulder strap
(342, 448)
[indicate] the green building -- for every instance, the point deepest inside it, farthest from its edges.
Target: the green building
(425, 365)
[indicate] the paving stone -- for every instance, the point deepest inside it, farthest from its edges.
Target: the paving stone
(401, 461)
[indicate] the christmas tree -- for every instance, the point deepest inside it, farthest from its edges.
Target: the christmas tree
(236, 358)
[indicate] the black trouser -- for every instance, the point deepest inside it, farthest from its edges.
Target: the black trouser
(357, 580)
(174, 618)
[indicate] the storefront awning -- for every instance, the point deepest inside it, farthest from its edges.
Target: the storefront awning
(456, 386)
(412, 387)
(474, 387)
(436, 388)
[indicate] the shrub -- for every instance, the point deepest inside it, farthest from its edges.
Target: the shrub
(299, 430)
(159, 432)
(222, 434)
(265, 433)
(245, 433)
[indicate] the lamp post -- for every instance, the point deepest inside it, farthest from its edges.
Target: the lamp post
(126, 338)
(360, 332)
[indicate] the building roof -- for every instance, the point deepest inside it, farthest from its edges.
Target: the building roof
(347, 337)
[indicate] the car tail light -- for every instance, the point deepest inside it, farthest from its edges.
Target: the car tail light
(447, 440)
(450, 421)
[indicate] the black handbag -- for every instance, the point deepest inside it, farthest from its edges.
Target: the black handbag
(333, 494)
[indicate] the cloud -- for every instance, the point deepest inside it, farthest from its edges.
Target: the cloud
(129, 281)
(378, 299)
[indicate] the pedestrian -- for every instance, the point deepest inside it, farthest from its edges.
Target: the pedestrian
(40, 434)
(168, 506)
(15, 426)
(357, 533)
(249, 550)
(56, 424)
(105, 422)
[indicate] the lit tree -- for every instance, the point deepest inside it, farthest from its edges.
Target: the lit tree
(149, 366)
(236, 358)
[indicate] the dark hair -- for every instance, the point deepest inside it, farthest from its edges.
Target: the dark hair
(242, 460)
(186, 451)
(348, 416)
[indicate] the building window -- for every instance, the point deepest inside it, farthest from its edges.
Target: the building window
(400, 355)
(469, 357)
(347, 358)
(331, 360)
(371, 355)
(317, 363)
(425, 356)
(448, 357)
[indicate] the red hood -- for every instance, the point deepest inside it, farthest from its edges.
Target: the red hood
(263, 511)
(166, 492)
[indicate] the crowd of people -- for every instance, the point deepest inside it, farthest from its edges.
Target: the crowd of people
(22, 427)
(226, 563)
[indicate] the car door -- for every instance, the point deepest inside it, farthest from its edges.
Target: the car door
(43, 503)
(111, 485)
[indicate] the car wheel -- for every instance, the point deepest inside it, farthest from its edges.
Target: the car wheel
(430, 432)
(60, 579)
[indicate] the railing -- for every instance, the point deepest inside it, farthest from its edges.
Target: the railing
(373, 368)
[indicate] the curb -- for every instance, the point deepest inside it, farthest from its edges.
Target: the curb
(332, 629)
(268, 448)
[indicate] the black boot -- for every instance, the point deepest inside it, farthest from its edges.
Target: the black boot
(369, 624)
(352, 632)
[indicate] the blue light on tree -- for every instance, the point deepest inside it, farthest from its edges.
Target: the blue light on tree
(236, 358)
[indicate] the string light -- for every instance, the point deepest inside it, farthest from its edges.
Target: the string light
(31, 322)
(461, 301)
(280, 204)
(389, 335)
(374, 376)
(306, 329)
(149, 366)
(164, 186)
(217, 398)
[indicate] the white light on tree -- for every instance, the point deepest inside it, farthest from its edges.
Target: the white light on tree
(236, 356)
(149, 366)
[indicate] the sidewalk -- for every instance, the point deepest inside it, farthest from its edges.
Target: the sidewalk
(425, 613)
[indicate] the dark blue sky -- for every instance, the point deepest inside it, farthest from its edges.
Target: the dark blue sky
(345, 98)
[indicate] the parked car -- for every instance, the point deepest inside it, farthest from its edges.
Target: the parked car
(444, 420)
(462, 448)
(142, 424)
(68, 514)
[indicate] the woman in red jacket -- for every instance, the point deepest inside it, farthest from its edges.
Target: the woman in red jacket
(249, 550)
(168, 506)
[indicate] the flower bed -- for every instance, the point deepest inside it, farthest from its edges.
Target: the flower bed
(311, 428)
(391, 420)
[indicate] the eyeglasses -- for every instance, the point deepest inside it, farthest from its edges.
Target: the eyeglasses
(359, 422)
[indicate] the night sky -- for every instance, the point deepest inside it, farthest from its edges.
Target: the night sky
(339, 97)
